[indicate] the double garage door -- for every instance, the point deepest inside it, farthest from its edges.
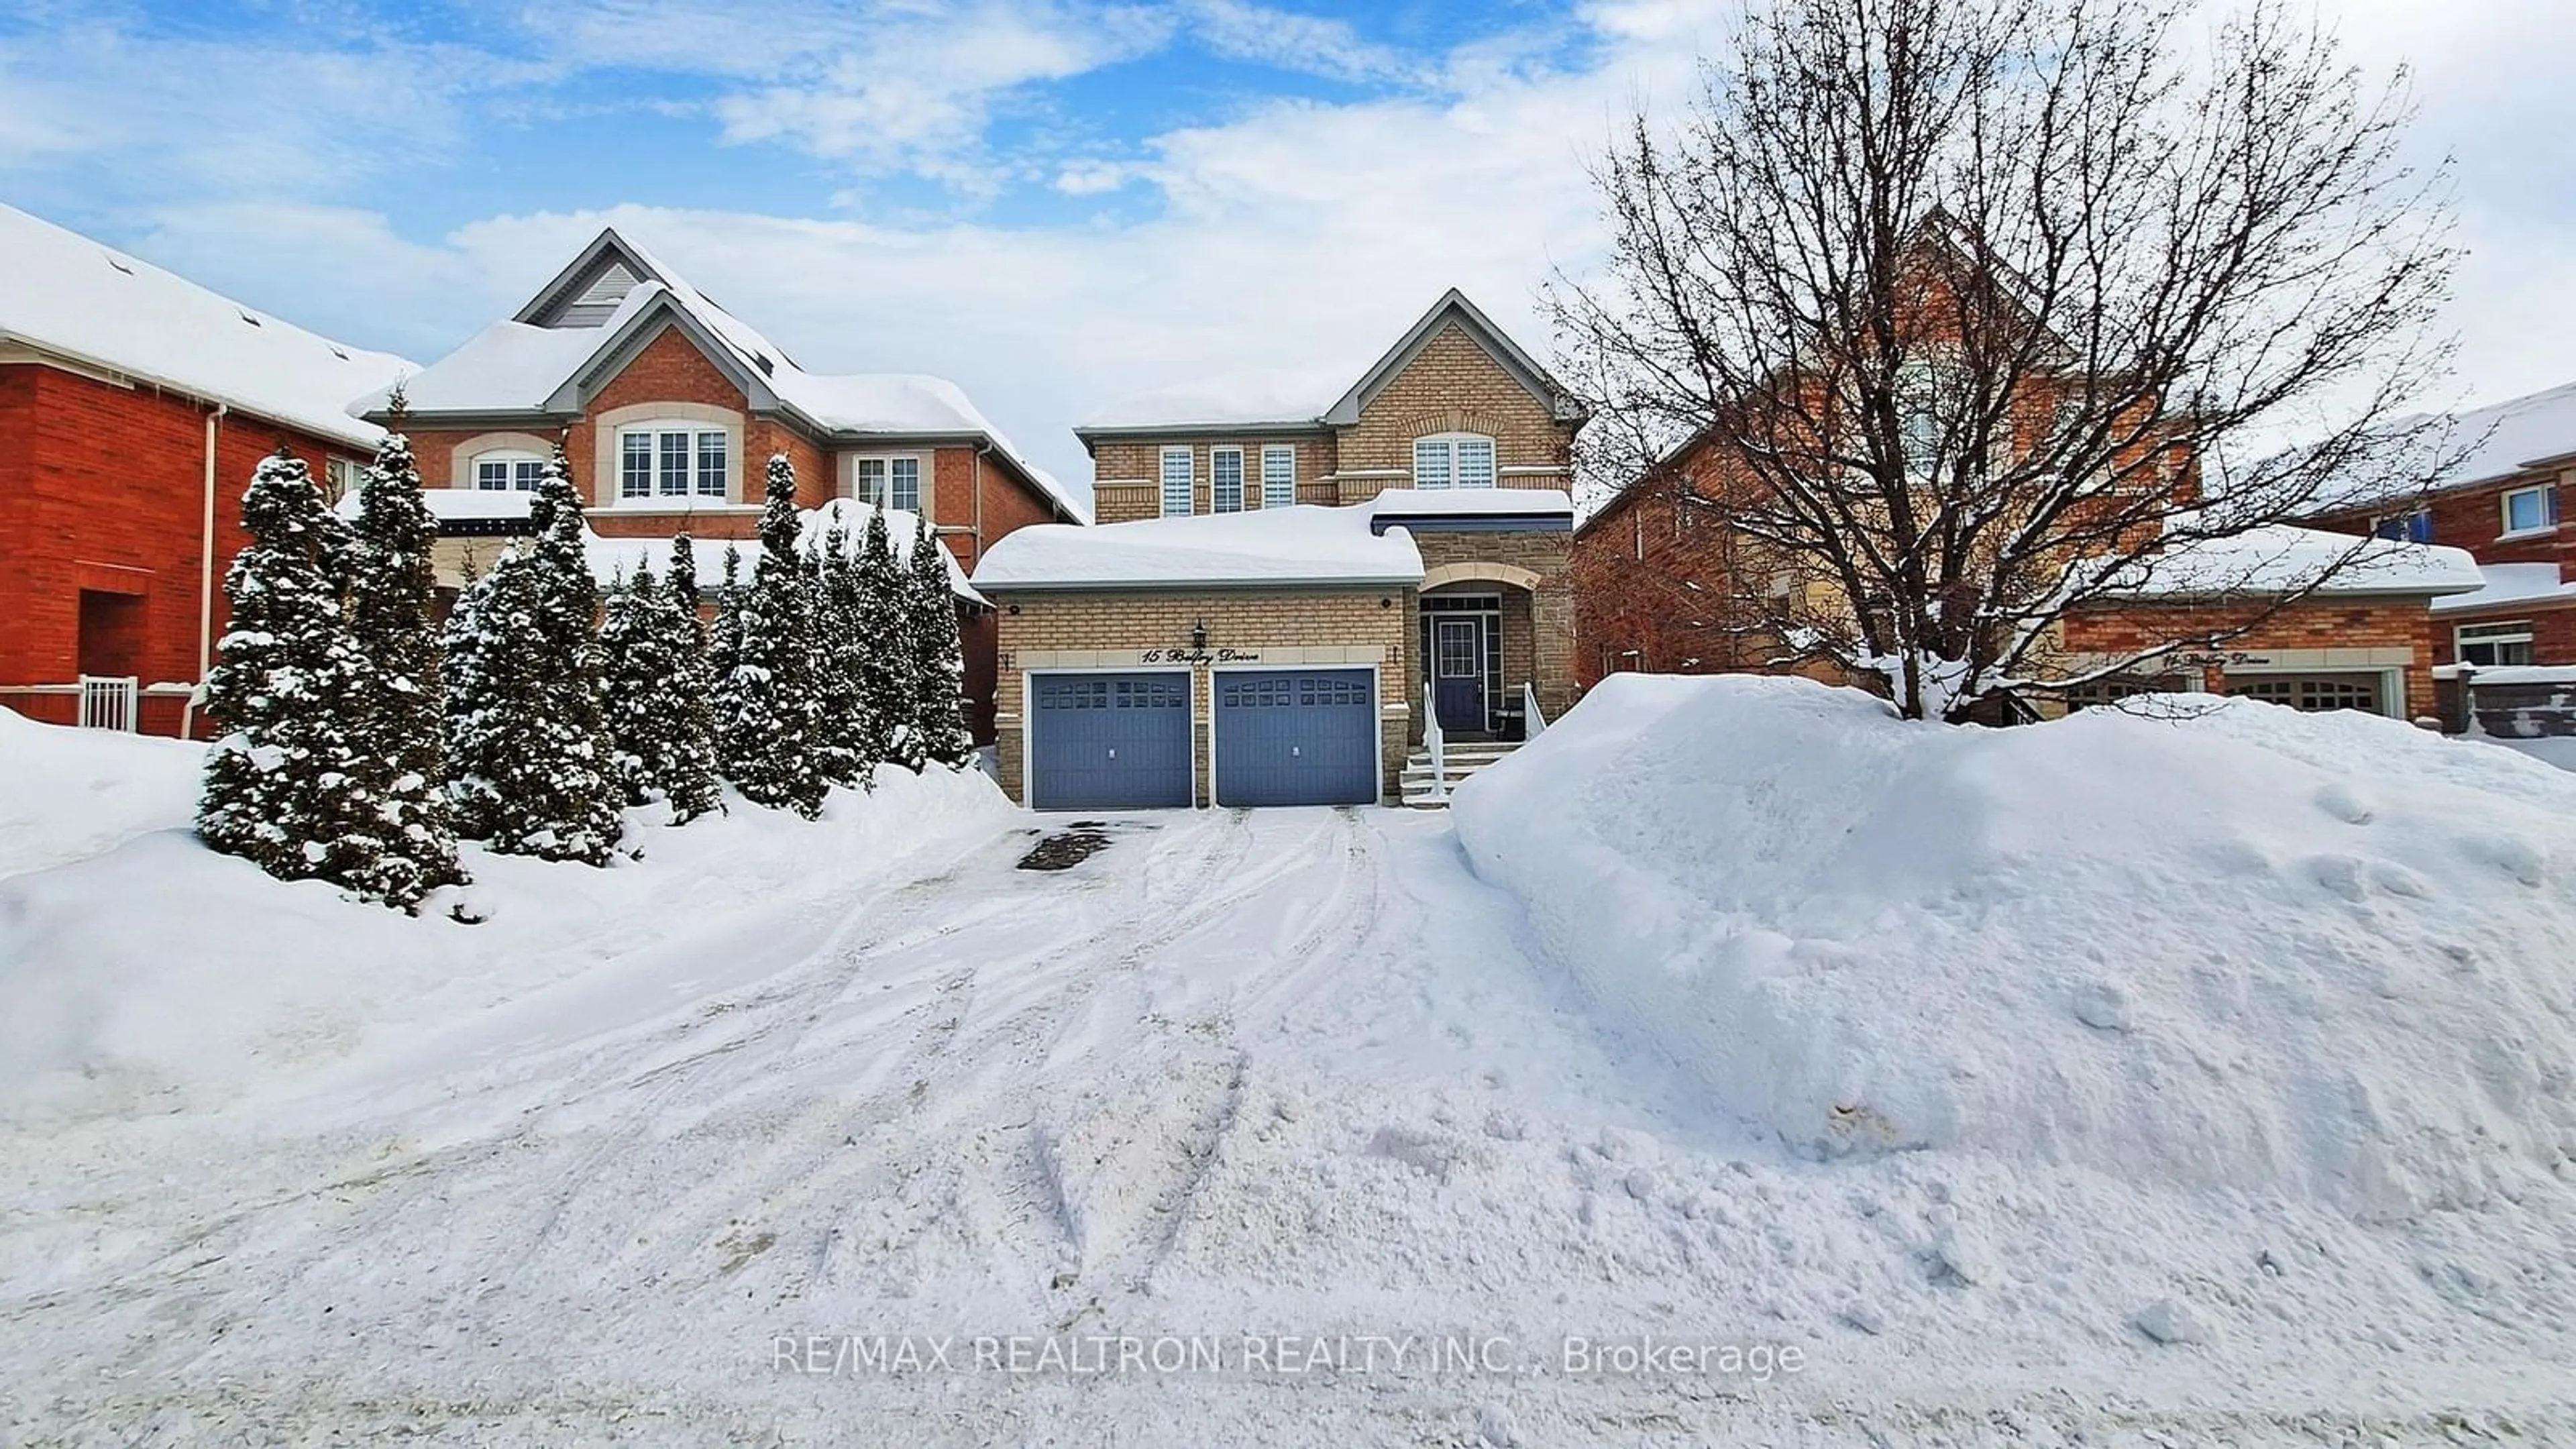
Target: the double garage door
(1283, 737)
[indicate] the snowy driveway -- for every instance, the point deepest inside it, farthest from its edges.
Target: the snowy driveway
(1237, 1076)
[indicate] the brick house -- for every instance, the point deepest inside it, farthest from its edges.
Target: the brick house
(1274, 585)
(2505, 504)
(134, 407)
(668, 408)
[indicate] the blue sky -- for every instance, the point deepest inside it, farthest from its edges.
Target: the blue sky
(1058, 204)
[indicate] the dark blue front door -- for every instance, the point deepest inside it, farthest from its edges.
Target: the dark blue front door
(1109, 741)
(1296, 737)
(1458, 673)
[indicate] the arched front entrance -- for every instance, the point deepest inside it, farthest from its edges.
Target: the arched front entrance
(1475, 646)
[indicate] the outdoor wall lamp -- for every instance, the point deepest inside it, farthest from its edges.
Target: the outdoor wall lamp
(1198, 635)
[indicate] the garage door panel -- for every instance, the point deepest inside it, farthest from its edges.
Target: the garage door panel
(1296, 737)
(1109, 741)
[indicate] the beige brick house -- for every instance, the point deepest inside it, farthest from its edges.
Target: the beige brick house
(1279, 592)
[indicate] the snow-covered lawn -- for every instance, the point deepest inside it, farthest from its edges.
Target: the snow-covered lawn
(634, 1158)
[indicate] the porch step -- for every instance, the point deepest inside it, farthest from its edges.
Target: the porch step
(1458, 763)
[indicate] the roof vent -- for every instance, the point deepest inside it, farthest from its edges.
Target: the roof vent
(117, 262)
(247, 317)
(339, 352)
(767, 367)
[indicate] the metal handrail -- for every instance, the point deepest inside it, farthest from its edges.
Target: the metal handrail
(1433, 741)
(1532, 721)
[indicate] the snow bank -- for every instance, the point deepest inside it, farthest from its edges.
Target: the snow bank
(155, 975)
(2325, 956)
(66, 794)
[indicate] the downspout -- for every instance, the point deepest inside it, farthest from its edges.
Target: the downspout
(977, 473)
(205, 578)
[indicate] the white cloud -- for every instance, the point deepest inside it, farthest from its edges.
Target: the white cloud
(1240, 30)
(222, 118)
(1295, 237)
(917, 91)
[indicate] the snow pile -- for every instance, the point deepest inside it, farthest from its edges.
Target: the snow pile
(2321, 956)
(67, 794)
(153, 975)
(1301, 545)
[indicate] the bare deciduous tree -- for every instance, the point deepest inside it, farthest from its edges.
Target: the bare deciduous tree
(1958, 305)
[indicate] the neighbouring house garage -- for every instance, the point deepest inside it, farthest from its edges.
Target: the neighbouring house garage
(1229, 660)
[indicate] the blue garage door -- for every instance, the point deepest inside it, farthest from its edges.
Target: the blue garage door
(1296, 737)
(1109, 741)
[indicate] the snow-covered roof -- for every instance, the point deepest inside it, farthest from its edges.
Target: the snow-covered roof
(2508, 585)
(1269, 546)
(69, 296)
(2280, 559)
(2502, 439)
(1472, 503)
(613, 558)
(520, 366)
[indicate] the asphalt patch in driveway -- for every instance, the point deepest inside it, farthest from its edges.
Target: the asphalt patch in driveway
(1066, 848)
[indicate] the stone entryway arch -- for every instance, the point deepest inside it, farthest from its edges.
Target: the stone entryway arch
(1478, 571)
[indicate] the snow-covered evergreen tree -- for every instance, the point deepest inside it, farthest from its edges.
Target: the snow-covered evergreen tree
(531, 759)
(768, 715)
(840, 661)
(634, 671)
(688, 766)
(884, 601)
(490, 692)
(724, 641)
(391, 583)
(284, 787)
(938, 654)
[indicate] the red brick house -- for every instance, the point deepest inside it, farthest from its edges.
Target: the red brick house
(134, 406)
(668, 408)
(1665, 584)
(2506, 504)
(1662, 585)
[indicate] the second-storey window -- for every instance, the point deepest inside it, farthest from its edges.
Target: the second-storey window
(1453, 460)
(672, 461)
(1278, 477)
(2531, 510)
(888, 483)
(502, 472)
(1225, 479)
(1177, 480)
